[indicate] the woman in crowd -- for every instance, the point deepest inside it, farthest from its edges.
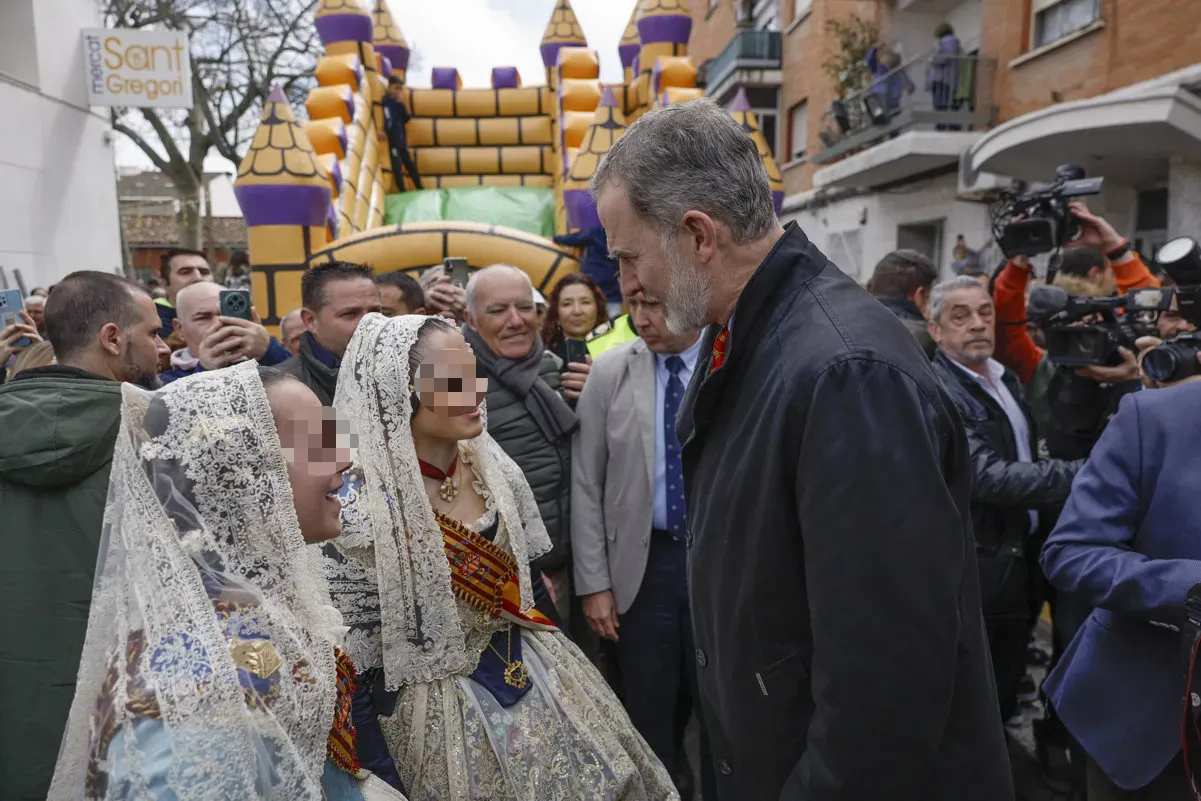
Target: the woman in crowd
(211, 668)
(482, 696)
(576, 307)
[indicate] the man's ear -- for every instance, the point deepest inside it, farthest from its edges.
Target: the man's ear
(308, 319)
(932, 328)
(921, 299)
(701, 231)
(112, 339)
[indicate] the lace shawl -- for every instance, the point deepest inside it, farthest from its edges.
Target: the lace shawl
(210, 626)
(388, 571)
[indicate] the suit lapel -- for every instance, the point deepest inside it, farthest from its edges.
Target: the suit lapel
(642, 376)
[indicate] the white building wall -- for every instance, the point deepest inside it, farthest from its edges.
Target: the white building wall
(868, 223)
(58, 210)
(1184, 198)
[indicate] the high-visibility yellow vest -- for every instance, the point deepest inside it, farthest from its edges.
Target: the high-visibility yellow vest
(610, 335)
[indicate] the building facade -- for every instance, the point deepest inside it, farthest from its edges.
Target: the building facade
(150, 216)
(58, 210)
(906, 145)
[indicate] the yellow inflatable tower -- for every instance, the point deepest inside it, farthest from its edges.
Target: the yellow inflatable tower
(324, 190)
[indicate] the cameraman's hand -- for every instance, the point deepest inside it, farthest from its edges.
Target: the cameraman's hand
(1094, 231)
(1145, 344)
(1128, 370)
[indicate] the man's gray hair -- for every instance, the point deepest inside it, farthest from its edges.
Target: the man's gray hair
(691, 157)
(938, 295)
(473, 281)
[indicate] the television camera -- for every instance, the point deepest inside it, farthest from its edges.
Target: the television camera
(1176, 359)
(1028, 223)
(1083, 332)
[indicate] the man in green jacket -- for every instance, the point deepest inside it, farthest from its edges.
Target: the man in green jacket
(59, 427)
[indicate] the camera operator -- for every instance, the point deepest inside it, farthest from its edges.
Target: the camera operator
(1124, 543)
(1071, 406)
(1010, 483)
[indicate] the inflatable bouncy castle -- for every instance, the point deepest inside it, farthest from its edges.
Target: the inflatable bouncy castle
(504, 168)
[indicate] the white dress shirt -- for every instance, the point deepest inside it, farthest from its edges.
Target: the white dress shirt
(662, 375)
(996, 389)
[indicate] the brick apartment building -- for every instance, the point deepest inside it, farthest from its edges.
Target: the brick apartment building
(1111, 85)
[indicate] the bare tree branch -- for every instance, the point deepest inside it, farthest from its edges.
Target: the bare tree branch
(238, 49)
(143, 145)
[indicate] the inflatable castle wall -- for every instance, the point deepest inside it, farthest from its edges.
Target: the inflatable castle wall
(320, 191)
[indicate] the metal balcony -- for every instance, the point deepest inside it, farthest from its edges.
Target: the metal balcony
(748, 50)
(926, 93)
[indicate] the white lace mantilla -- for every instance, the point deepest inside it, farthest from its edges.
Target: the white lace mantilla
(210, 629)
(388, 572)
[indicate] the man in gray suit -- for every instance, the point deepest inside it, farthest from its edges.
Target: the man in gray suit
(628, 528)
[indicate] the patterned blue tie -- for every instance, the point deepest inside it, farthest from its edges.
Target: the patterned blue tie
(677, 522)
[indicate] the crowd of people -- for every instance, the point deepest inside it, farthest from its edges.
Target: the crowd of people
(419, 546)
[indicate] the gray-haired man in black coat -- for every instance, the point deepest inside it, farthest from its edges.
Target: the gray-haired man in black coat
(835, 600)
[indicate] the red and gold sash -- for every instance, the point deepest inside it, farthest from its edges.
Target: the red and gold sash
(485, 576)
(340, 747)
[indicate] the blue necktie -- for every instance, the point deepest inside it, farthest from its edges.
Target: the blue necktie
(677, 523)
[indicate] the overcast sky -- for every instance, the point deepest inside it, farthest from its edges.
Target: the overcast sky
(475, 36)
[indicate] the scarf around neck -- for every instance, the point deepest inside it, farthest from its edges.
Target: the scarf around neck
(550, 413)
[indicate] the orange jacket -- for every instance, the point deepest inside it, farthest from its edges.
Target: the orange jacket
(1015, 349)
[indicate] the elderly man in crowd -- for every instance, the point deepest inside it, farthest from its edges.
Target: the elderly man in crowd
(212, 341)
(1010, 482)
(336, 296)
(60, 425)
(528, 411)
(35, 305)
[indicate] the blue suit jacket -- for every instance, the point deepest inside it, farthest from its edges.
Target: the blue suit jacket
(1128, 543)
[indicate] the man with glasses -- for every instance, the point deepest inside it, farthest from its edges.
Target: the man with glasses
(1010, 482)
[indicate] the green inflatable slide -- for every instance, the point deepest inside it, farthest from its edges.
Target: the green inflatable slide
(526, 208)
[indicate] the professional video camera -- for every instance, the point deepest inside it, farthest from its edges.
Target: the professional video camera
(1075, 341)
(1176, 359)
(1039, 221)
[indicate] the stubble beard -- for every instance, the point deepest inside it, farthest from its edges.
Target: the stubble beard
(134, 374)
(689, 293)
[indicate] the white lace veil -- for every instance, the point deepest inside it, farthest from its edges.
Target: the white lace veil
(208, 667)
(392, 579)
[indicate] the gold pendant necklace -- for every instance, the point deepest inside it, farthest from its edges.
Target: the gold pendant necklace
(515, 673)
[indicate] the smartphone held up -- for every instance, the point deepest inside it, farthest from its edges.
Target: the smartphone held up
(12, 303)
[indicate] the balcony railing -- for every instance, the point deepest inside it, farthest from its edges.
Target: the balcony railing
(748, 49)
(930, 92)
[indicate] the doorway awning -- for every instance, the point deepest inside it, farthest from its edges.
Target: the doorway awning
(1127, 134)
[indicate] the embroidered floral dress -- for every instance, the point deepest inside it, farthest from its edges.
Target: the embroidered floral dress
(482, 697)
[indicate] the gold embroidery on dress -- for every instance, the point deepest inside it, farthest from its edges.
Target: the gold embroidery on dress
(257, 657)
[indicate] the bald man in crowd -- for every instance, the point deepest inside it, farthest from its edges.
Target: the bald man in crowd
(36, 306)
(212, 341)
(291, 328)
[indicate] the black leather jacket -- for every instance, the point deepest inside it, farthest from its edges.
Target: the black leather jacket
(1004, 490)
(832, 580)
